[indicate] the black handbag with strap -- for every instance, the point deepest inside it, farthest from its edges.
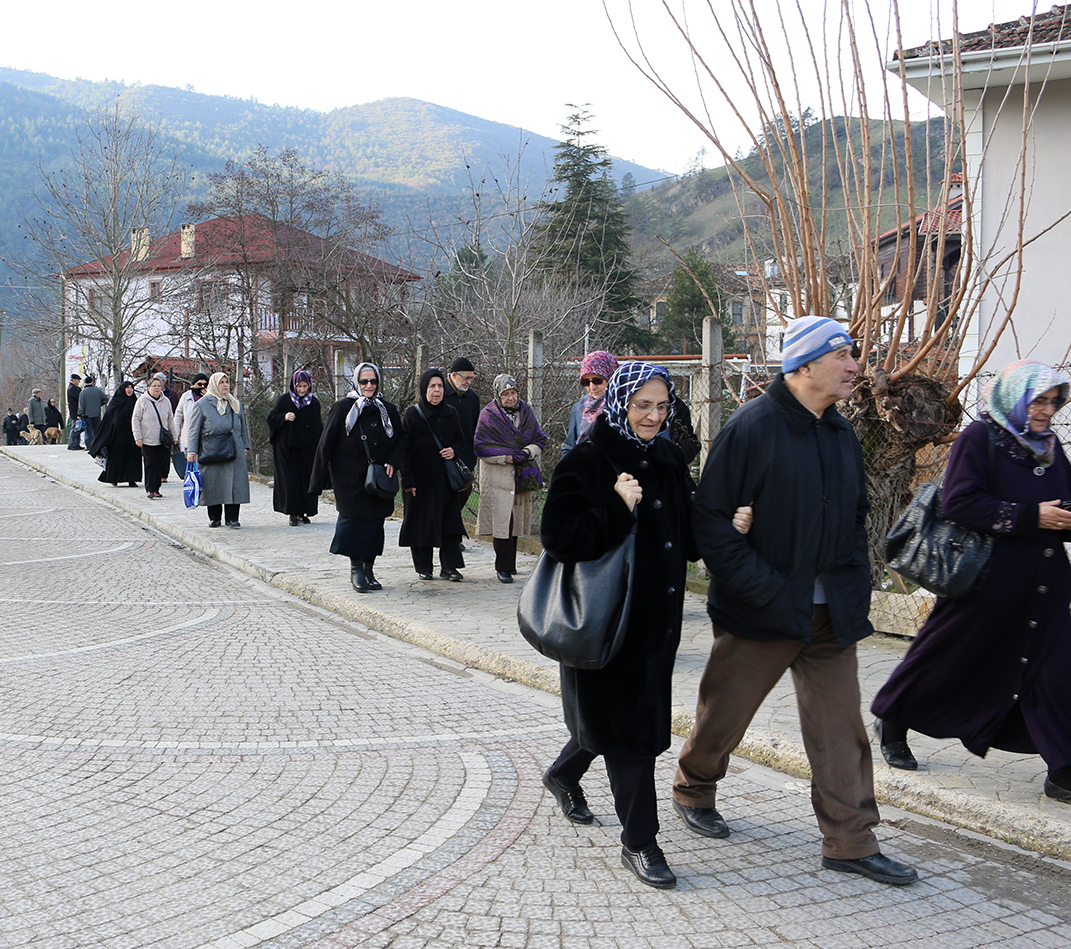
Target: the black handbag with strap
(165, 436)
(376, 480)
(217, 448)
(939, 554)
(458, 475)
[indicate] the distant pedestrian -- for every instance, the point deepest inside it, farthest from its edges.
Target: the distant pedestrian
(362, 429)
(11, 427)
(195, 393)
(35, 411)
(114, 440)
(596, 368)
(225, 484)
(432, 515)
(153, 425)
(170, 394)
(53, 416)
(461, 397)
(74, 390)
(508, 441)
(91, 402)
(295, 423)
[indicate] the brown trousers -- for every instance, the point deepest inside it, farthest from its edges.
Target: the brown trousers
(739, 675)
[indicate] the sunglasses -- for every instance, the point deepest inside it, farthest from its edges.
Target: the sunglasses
(592, 381)
(366, 382)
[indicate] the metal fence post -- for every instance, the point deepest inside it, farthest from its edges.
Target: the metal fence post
(709, 385)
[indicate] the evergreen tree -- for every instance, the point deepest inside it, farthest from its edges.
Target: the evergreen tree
(686, 307)
(586, 230)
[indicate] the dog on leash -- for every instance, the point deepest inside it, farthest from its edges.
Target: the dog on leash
(34, 436)
(52, 435)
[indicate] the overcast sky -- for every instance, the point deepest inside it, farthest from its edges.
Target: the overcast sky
(506, 61)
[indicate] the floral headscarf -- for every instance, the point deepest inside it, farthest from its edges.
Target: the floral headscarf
(1008, 397)
(597, 363)
(300, 401)
(359, 406)
(624, 383)
(503, 383)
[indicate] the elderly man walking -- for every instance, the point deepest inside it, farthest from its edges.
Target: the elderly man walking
(794, 593)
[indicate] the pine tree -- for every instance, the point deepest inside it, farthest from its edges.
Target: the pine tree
(586, 230)
(686, 307)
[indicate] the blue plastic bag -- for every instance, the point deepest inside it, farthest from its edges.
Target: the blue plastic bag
(191, 485)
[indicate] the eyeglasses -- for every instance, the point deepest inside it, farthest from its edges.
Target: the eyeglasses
(645, 408)
(1046, 403)
(592, 381)
(366, 382)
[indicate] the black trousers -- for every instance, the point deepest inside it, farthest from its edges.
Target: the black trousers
(216, 510)
(450, 556)
(632, 783)
(156, 458)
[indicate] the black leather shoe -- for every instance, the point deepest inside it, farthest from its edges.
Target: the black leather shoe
(373, 583)
(570, 799)
(703, 820)
(358, 580)
(504, 576)
(1057, 791)
(214, 524)
(877, 866)
(233, 524)
(649, 865)
(425, 576)
(295, 521)
(305, 519)
(451, 575)
(896, 753)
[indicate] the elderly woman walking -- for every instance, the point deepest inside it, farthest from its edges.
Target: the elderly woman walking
(295, 424)
(990, 668)
(217, 433)
(508, 441)
(155, 431)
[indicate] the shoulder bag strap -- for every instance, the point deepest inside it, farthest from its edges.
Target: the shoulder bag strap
(430, 429)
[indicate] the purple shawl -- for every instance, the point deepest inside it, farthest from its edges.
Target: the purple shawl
(497, 435)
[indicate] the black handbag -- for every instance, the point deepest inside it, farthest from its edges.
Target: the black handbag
(218, 448)
(577, 613)
(927, 548)
(458, 475)
(376, 480)
(166, 440)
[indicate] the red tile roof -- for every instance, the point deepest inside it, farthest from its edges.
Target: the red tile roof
(252, 240)
(1051, 27)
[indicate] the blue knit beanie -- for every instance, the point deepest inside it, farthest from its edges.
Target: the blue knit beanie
(810, 337)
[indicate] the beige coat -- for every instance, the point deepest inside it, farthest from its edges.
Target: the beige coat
(499, 498)
(145, 423)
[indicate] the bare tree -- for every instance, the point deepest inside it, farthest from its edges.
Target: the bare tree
(92, 240)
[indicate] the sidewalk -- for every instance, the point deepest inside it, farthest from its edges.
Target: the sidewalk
(474, 623)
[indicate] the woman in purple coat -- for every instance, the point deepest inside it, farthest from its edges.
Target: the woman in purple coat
(991, 667)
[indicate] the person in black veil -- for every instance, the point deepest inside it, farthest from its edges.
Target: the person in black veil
(115, 440)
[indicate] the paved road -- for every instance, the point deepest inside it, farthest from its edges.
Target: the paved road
(192, 758)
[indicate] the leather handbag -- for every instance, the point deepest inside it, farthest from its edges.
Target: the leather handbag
(217, 448)
(166, 441)
(458, 475)
(376, 480)
(577, 613)
(927, 548)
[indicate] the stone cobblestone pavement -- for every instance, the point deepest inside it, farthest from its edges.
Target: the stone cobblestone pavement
(197, 759)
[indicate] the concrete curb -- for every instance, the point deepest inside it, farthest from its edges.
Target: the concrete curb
(902, 789)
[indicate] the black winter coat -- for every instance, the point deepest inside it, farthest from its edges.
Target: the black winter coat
(467, 406)
(435, 512)
(624, 709)
(293, 447)
(341, 462)
(804, 477)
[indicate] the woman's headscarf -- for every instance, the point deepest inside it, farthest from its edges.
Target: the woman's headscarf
(503, 383)
(222, 401)
(597, 363)
(358, 407)
(300, 401)
(1008, 397)
(422, 396)
(630, 377)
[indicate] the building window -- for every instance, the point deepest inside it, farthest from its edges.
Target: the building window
(156, 290)
(211, 295)
(738, 312)
(95, 300)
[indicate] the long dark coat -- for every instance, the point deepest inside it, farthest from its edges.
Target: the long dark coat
(293, 446)
(115, 440)
(624, 709)
(1005, 647)
(435, 512)
(341, 462)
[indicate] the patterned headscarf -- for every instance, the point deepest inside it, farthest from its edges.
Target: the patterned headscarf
(358, 407)
(630, 377)
(222, 401)
(300, 401)
(597, 363)
(1009, 395)
(503, 383)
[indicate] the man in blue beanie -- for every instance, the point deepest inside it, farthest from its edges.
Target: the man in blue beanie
(793, 593)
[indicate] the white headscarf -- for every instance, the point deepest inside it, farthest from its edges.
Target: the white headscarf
(359, 405)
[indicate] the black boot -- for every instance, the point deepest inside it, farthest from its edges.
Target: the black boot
(373, 583)
(357, 576)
